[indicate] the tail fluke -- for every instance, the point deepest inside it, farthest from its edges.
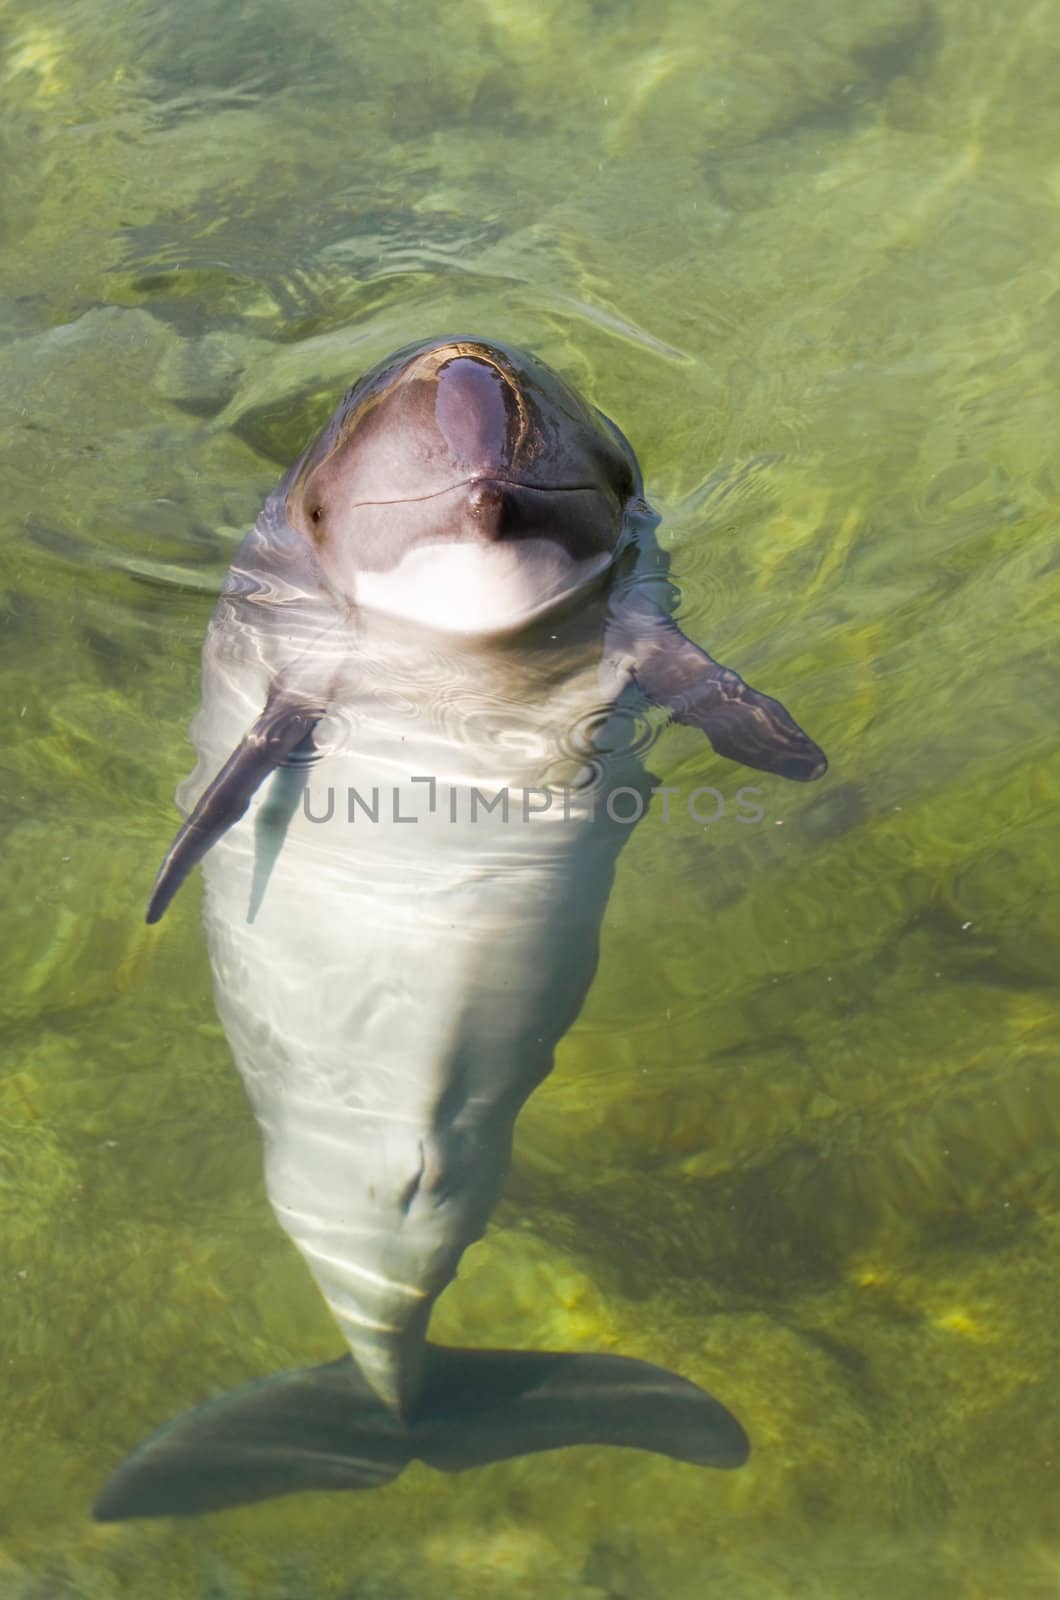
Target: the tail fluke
(489, 1405)
(315, 1429)
(322, 1428)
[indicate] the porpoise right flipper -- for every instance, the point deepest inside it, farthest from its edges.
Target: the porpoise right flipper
(288, 719)
(741, 722)
(321, 1428)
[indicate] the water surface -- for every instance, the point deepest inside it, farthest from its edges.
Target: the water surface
(802, 1144)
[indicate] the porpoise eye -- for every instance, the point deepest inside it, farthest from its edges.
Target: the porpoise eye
(316, 513)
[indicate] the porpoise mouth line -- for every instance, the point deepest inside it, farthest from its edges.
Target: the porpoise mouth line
(470, 483)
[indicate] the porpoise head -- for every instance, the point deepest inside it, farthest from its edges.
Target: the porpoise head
(464, 487)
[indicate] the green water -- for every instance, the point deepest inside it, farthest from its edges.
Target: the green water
(802, 1144)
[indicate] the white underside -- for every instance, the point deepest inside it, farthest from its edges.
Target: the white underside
(392, 990)
(462, 587)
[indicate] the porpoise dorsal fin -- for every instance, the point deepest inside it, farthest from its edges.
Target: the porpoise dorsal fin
(289, 717)
(741, 723)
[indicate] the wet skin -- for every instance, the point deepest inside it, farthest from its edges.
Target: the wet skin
(456, 572)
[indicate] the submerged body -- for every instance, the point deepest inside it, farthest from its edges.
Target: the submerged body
(430, 636)
(416, 953)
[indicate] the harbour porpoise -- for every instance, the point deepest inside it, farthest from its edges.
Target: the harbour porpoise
(415, 776)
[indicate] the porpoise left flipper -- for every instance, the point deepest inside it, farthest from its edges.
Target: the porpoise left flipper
(287, 720)
(321, 1428)
(742, 723)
